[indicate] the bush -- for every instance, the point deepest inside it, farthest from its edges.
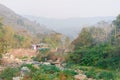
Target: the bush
(8, 73)
(90, 73)
(63, 76)
(83, 68)
(117, 72)
(49, 69)
(49, 72)
(103, 56)
(30, 66)
(106, 75)
(0, 58)
(45, 72)
(42, 55)
(69, 72)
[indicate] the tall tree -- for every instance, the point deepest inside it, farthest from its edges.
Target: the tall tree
(117, 30)
(84, 38)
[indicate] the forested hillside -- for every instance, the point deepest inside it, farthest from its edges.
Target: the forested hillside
(14, 20)
(69, 26)
(22, 26)
(98, 47)
(30, 51)
(11, 39)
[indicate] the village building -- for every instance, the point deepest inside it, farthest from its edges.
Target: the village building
(40, 46)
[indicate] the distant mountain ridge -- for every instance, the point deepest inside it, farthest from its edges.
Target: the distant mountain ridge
(71, 26)
(18, 22)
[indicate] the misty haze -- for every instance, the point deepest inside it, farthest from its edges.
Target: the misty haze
(59, 40)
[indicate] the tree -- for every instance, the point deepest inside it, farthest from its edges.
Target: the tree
(53, 39)
(116, 30)
(67, 42)
(117, 22)
(92, 48)
(84, 39)
(3, 42)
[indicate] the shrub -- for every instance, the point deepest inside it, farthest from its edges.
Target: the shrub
(42, 55)
(83, 68)
(49, 72)
(45, 72)
(104, 56)
(8, 73)
(44, 76)
(30, 66)
(106, 75)
(91, 73)
(63, 76)
(69, 72)
(0, 58)
(117, 72)
(49, 69)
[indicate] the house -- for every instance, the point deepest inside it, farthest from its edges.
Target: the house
(34, 47)
(40, 46)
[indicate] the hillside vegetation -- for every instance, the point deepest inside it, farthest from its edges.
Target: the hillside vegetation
(10, 39)
(17, 22)
(93, 55)
(98, 47)
(69, 26)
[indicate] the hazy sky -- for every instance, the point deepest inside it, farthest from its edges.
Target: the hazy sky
(64, 8)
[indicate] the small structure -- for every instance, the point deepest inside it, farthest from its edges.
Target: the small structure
(34, 47)
(41, 46)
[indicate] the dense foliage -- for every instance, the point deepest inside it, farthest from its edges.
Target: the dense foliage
(50, 72)
(100, 49)
(9, 73)
(10, 38)
(103, 56)
(43, 72)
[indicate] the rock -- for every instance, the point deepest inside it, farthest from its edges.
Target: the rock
(1, 79)
(79, 71)
(17, 78)
(7, 54)
(36, 66)
(46, 63)
(64, 64)
(58, 65)
(36, 63)
(12, 57)
(90, 79)
(24, 71)
(1, 69)
(50, 61)
(80, 77)
(18, 60)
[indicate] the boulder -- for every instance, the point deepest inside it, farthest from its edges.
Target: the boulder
(80, 77)
(36, 66)
(1, 79)
(24, 71)
(17, 78)
(46, 63)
